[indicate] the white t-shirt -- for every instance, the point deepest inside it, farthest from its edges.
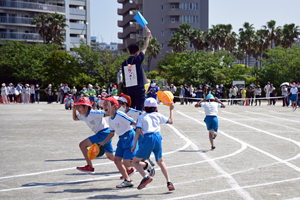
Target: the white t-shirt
(120, 123)
(267, 87)
(211, 108)
(294, 90)
(150, 122)
(134, 114)
(95, 120)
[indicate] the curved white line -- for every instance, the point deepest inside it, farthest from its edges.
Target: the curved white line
(274, 117)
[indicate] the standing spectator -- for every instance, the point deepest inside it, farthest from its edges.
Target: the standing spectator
(257, 95)
(243, 94)
(181, 95)
(13, 92)
(110, 89)
(166, 87)
(23, 93)
(49, 91)
(284, 93)
(84, 92)
(74, 92)
(62, 93)
(173, 91)
(298, 95)
(267, 91)
(66, 91)
(8, 93)
(37, 93)
(26, 93)
(58, 93)
(18, 93)
(91, 94)
(251, 93)
(289, 95)
(32, 93)
(217, 92)
(152, 90)
(294, 97)
(186, 93)
(232, 95)
(4, 93)
(115, 91)
(272, 95)
(191, 91)
(119, 80)
(97, 89)
(199, 92)
(222, 91)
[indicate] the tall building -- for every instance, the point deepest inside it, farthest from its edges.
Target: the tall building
(16, 17)
(164, 18)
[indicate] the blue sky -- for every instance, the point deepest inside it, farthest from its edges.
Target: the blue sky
(104, 15)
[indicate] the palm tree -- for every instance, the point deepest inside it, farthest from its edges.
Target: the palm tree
(57, 23)
(185, 30)
(178, 42)
(272, 32)
(290, 33)
(247, 33)
(41, 23)
(153, 50)
(213, 38)
(259, 44)
(197, 38)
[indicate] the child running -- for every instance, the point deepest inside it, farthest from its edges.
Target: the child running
(211, 119)
(149, 125)
(94, 120)
(120, 124)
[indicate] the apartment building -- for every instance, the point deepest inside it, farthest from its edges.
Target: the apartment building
(102, 45)
(163, 16)
(16, 17)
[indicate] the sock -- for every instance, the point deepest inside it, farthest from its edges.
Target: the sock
(146, 166)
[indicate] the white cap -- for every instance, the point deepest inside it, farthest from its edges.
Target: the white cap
(150, 102)
(123, 99)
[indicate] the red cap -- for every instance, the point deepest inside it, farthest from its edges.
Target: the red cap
(83, 101)
(113, 100)
(294, 83)
(83, 86)
(127, 98)
(115, 86)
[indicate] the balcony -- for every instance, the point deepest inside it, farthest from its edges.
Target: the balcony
(20, 36)
(126, 7)
(139, 2)
(122, 1)
(77, 26)
(174, 25)
(74, 11)
(76, 40)
(16, 20)
(21, 5)
(127, 31)
(174, 1)
(128, 18)
(175, 12)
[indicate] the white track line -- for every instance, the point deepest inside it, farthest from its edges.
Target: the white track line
(290, 120)
(243, 193)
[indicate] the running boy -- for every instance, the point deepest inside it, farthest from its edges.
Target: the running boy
(120, 124)
(149, 125)
(211, 112)
(94, 120)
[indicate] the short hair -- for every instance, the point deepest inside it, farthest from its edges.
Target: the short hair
(150, 109)
(133, 48)
(87, 106)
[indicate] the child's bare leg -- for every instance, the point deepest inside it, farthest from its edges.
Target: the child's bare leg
(110, 156)
(139, 166)
(121, 167)
(163, 168)
(210, 139)
(83, 147)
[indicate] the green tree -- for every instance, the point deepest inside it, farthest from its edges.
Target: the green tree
(178, 42)
(290, 33)
(40, 22)
(197, 38)
(246, 37)
(153, 50)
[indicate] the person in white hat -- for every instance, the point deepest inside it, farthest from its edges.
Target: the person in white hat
(26, 93)
(149, 125)
(4, 93)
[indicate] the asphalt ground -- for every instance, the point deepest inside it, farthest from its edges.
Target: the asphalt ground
(257, 156)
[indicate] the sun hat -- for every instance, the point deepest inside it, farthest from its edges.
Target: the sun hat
(3, 84)
(83, 101)
(113, 100)
(210, 97)
(127, 98)
(166, 97)
(150, 102)
(122, 99)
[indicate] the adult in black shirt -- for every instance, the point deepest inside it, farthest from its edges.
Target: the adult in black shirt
(186, 93)
(199, 92)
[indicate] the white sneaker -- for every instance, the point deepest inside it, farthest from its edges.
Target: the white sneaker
(150, 169)
(125, 184)
(212, 132)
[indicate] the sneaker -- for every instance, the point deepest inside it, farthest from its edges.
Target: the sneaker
(144, 182)
(212, 132)
(170, 186)
(129, 172)
(151, 162)
(86, 168)
(125, 184)
(150, 169)
(213, 147)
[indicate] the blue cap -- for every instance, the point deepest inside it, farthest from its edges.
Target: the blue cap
(210, 97)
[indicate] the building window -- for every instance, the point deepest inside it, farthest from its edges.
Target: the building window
(173, 32)
(173, 20)
(162, 46)
(162, 7)
(196, 6)
(172, 7)
(162, 20)
(162, 33)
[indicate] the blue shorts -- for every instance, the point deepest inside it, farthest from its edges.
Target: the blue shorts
(92, 98)
(125, 144)
(294, 97)
(99, 137)
(151, 142)
(212, 122)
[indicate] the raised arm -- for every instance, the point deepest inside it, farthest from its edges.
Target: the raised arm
(223, 105)
(198, 104)
(74, 114)
(148, 32)
(171, 113)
